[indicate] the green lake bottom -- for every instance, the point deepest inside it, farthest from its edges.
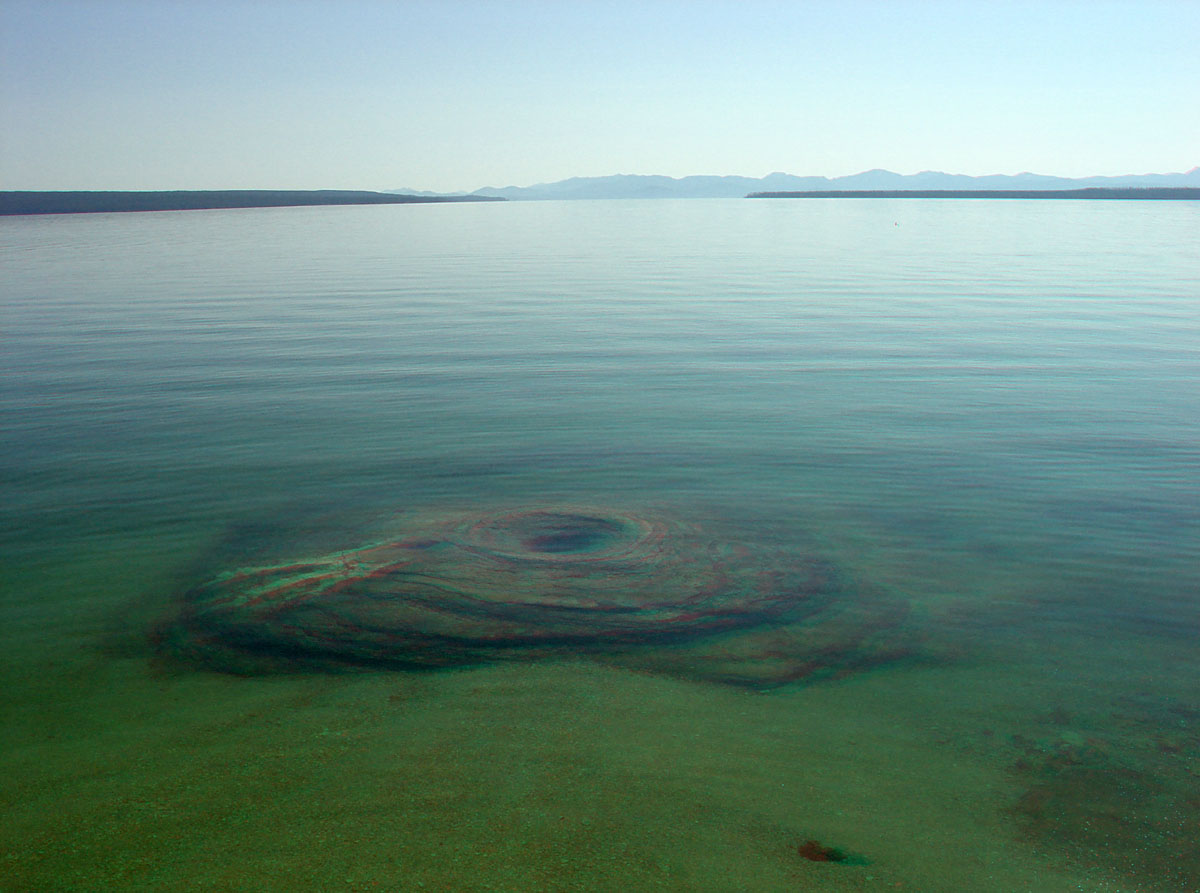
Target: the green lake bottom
(1016, 749)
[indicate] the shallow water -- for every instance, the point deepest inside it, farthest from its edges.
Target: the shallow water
(985, 413)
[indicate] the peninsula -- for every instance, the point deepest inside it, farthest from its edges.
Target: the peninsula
(195, 200)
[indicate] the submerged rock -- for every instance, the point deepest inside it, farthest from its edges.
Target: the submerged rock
(639, 590)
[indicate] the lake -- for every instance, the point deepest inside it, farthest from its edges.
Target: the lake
(612, 545)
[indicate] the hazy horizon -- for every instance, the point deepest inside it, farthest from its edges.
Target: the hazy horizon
(458, 97)
(615, 176)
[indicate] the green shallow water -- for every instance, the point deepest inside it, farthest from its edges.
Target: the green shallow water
(983, 414)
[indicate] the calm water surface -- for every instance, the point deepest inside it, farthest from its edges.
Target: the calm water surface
(986, 414)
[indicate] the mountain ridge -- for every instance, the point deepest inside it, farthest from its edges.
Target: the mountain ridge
(731, 186)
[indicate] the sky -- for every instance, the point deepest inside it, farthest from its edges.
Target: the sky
(454, 96)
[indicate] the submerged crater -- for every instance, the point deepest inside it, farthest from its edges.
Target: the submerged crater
(641, 590)
(552, 535)
(569, 533)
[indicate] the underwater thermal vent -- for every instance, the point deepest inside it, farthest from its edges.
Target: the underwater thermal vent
(639, 590)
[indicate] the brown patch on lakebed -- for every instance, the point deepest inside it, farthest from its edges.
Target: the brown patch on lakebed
(1124, 796)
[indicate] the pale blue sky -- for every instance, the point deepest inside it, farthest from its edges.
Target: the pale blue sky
(163, 94)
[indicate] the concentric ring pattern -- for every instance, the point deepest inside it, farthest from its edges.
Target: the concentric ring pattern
(545, 581)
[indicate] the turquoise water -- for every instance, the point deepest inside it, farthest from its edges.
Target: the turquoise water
(987, 412)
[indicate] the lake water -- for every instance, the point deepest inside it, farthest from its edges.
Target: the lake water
(930, 469)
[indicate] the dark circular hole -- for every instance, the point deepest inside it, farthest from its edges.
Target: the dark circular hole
(557, 534)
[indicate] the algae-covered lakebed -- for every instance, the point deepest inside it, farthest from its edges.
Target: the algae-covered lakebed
(708, 545)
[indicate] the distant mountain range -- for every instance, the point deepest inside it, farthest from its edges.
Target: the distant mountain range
(639, 186)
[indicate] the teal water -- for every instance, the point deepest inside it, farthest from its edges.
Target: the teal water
(988, 412)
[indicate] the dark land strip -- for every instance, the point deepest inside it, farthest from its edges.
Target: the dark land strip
(195, 200)
(1177, 193)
